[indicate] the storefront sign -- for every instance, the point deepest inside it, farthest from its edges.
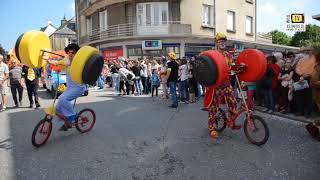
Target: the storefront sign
(151, 45)
(112, 54)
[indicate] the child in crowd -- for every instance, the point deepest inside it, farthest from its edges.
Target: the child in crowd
(155, 81)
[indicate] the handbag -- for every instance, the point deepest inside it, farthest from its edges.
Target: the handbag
(300, 85)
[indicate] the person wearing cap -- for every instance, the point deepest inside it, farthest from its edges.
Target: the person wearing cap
(172, 78)
(223, 92)
(73, 91)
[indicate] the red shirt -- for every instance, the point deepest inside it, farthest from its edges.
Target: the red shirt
(276, 71)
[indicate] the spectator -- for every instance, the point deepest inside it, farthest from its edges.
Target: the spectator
(16, 82)
(4, 76)
(285, 77)
(144, 76)
(266, 86)
(155, 82)
(163, 77)
(173, 68)
(184, 81)
(136, 69)
(31, 77)
(115, 76)
(193, 85)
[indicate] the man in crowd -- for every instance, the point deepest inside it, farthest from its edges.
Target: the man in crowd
(173, 75)
(31, 77)
(4, 76)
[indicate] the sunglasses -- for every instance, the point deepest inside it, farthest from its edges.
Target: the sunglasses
(71, 52)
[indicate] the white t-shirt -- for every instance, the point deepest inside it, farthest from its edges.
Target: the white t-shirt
(4, 69)
(163, 68)
(144, 70)
(183, 72)
(125, 72)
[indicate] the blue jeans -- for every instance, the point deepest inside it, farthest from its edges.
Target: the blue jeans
(115, 81)
(184, 88)
(173, 92)
(137, 83)
(64, 105)
(100, 83)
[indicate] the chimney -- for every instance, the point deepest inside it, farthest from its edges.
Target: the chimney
(49, 22)
(64, 20)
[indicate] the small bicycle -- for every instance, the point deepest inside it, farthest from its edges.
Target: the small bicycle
(41, 133)
(253, 124)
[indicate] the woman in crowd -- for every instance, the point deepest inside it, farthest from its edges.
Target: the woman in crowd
(285, 78)
(163, 77)
(184, 80)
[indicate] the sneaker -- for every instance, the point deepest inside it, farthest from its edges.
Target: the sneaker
(204, 109)
(3, 108)
(20, 103)
(65, 126)
(17, 105)
(37, 105)
(173, 106)
(31, 106)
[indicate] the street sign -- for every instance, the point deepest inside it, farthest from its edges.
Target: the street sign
(152, 45)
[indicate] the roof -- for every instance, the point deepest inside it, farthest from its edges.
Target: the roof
(317, 17)
(64, 30)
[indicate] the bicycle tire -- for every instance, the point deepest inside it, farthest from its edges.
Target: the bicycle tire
(79, 124)
(265, 127)
(35, 131)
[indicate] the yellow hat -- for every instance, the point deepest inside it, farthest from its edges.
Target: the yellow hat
(172, 55)
(220, 36)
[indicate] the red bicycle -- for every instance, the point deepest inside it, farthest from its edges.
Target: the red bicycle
(255, 128)
(41, 133)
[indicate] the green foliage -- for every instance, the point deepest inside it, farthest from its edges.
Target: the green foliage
(307, 38)
(279, 37)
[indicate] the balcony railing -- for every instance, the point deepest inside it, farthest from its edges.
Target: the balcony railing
(134, 30)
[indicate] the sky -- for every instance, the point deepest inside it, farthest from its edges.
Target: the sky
(18, 16)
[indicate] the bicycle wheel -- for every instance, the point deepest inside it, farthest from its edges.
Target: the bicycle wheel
(41, 132)
(86, 120)
(256, 130)
(221, 123)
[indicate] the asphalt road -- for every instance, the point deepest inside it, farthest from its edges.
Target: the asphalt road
(141, 138)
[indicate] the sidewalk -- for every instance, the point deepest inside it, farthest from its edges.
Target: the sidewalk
(289, 116)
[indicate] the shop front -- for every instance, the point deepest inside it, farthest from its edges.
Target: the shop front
(112, 53)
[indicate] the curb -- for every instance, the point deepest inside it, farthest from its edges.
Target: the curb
(287, 116)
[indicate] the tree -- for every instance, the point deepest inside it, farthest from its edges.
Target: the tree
(307, 38)
(279, 37)
(2, 51)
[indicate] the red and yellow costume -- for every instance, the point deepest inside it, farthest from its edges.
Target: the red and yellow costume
(220, 95)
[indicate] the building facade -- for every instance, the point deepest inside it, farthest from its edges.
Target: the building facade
(151, 28)
(64, 35)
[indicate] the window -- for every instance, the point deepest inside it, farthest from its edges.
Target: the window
(140, 12)
(164, 16)
(231, 21)
(89, 25)
(152, 14)
(249, 25)
(207, 15)
(156, 14)
(249, 1)
(103, 20)
(148, 14)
